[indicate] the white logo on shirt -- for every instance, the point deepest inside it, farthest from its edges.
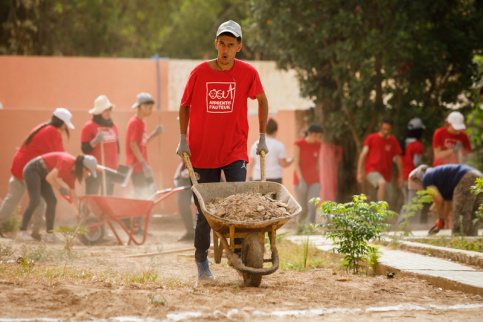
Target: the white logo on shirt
(220, 97)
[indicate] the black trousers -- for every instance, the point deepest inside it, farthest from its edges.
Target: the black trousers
(234, 172)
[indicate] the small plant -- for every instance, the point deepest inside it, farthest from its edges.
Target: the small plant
(305, 245)
(70, 234)
(373, 255)
(352, 225)
(6, 251)
(236, 288)
(416, 204)
(156, 300)
(12, 223)
(39, 254)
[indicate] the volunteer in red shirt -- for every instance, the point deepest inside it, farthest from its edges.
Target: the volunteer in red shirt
(451, 144)
(99, 138)
(136, 146)
(306, 175)
(46, 137)
(56, 170)
(214, 104)
(412, 156)
(377, 155)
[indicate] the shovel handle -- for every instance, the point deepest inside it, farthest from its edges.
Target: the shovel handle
(263, 173)
(187, 161)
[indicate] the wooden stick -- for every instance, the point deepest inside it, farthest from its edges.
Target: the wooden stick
(161, 253)
(103, 171)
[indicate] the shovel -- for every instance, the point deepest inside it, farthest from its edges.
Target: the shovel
(120, 176)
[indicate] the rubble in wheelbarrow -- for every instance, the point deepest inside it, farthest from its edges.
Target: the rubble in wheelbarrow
(248, 207)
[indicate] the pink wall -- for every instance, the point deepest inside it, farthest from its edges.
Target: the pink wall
(32, 87)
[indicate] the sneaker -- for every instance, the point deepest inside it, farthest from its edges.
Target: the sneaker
(24, 237)
(437, 227)
(204, 272)
(187, 237)
(36, 235)
(53, 238)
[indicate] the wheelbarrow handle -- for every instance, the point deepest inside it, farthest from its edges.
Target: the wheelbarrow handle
(263, 172)
(190, 168)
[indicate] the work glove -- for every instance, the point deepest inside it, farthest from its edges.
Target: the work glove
(63, 191)
(99, 137)
(183, 146)
(157, 131)
(147, 170)
(262, 145)
(458, 146)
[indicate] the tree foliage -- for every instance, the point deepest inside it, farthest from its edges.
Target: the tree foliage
(115, 28)
(360, 59)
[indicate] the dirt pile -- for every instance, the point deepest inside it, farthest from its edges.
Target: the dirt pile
(248, 207)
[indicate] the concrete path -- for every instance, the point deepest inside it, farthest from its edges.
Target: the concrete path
(439, 272)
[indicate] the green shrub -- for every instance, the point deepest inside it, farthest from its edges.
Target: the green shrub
(352, 225)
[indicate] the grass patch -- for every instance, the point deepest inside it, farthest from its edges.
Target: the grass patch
(303, 257)
(456, 242)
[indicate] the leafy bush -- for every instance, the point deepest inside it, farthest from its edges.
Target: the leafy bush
(416, 204)
(476, 189)
(352, 225)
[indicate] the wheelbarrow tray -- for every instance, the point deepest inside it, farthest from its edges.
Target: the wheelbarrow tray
(116, 207)
(206, 192)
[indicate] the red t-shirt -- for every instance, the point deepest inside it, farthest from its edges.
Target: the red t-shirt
(218, 125)
(414, 148)
(64, 163)
(309, 158)
(445, 140)
(48, 139)
(381, 154)
(136, 131)
(89, 132)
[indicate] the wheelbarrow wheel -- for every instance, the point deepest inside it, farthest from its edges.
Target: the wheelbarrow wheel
(252, 256)
(94, 234)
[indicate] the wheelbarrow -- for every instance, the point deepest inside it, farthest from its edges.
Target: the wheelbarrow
(225, 231)
(109, 210)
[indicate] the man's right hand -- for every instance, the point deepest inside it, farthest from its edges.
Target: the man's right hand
(183, 146)
(63, 191)
(360, 178)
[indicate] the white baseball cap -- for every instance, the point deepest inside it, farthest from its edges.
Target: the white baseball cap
(456, 120)
(64, 115)
(231, 27)
(416, 123)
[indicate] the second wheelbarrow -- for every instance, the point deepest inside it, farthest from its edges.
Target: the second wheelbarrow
(109, 210)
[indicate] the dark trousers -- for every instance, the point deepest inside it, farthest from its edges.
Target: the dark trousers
(93, 184)
(234, 172)
(37, 187)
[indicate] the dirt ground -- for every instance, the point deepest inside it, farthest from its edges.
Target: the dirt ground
(101, 282)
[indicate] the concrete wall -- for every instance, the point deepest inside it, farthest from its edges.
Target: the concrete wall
(32, 87)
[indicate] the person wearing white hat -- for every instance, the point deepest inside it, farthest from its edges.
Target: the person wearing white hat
(136, 146)
(44, 138)
(52, 170)
(214, 104)
(450, 142)
(99, 138)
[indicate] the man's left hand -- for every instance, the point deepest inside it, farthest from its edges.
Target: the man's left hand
(262, 145)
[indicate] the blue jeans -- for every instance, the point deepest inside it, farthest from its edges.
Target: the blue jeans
(234, 172)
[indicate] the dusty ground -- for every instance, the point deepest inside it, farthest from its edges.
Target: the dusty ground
(100, 282)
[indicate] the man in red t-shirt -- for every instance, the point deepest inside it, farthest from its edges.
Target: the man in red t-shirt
(451, 143)
(375, 160)
(214, 104)
(136, 146)
(306, 175)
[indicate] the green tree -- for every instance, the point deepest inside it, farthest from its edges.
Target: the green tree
(361, 59)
